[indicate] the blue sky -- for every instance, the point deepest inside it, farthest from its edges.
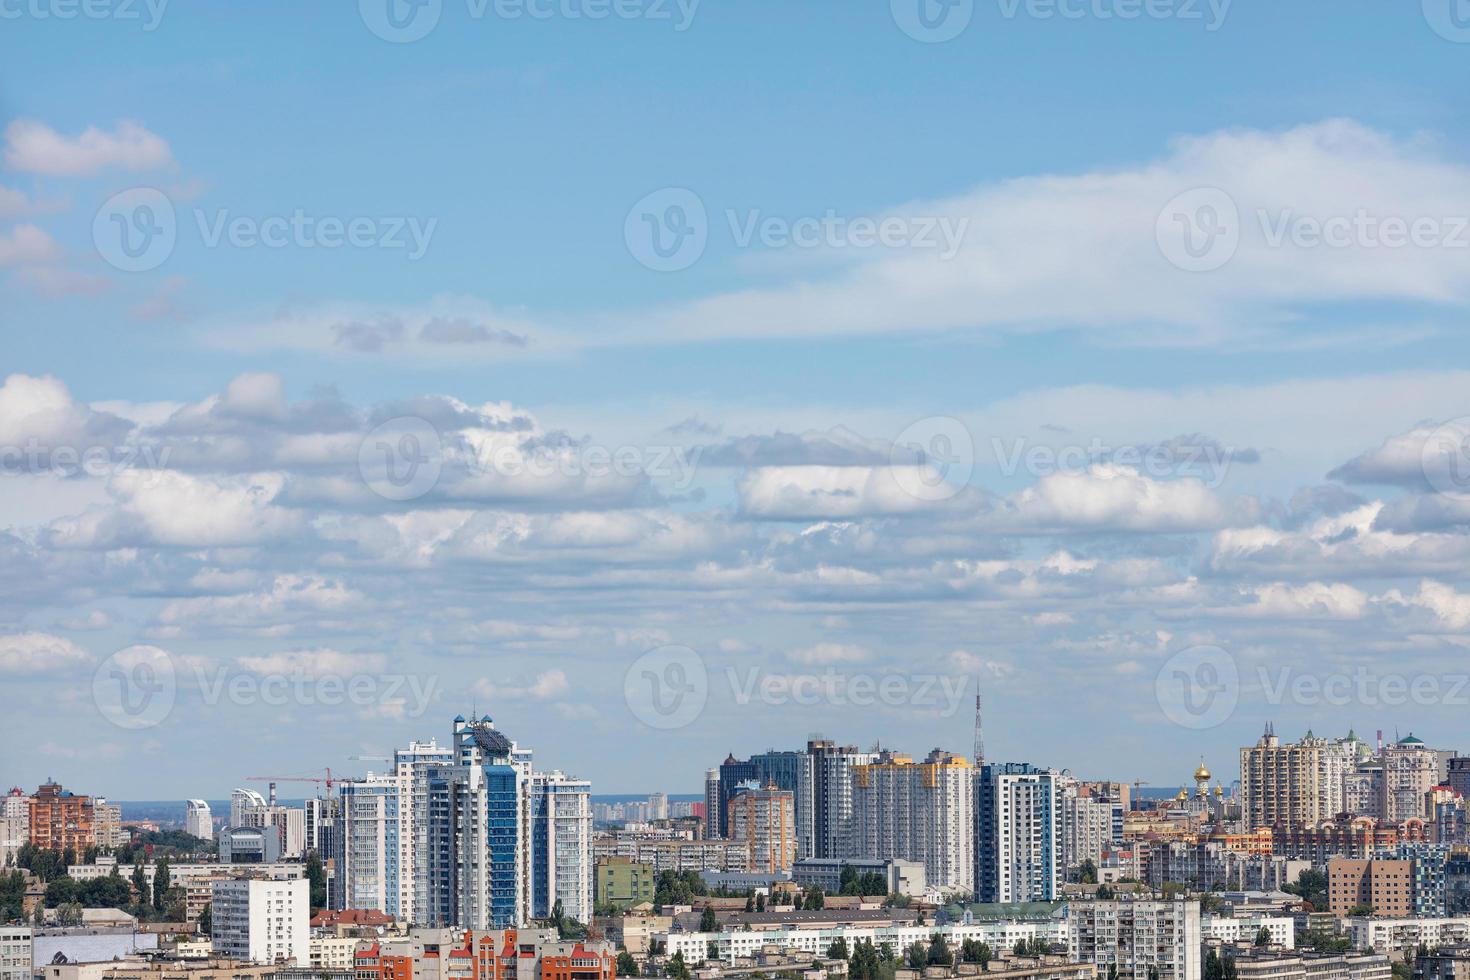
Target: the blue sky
(1297, 393)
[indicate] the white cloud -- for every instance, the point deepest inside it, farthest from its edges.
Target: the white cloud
(1082, 250)
(546, 686)
(827, 654)
(34, 147)
(27, 245)
(39, 653)
(1108, 496)
(314, 663)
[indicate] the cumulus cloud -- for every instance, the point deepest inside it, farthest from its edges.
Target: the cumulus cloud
(33, 147)
(314, 663)
(829, 654)
(27, 245)
(39, 653)
(545, 686)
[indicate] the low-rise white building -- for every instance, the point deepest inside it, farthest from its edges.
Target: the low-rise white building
(262, 920)
(1394, 935)
(333, 952)
(1000, 934)
(1242, 931)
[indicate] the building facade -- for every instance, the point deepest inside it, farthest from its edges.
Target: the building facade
(1017, 834)
(922, 812)
(262, 920)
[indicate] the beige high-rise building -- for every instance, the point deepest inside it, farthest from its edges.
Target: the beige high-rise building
(923, 812)
(1410, 770)
(1281, 784)
(766, 820)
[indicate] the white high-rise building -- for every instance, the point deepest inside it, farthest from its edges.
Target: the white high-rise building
(372, 872)
(1018, 834)
(1137, 936)
(262, 920)
(920, 812)
(712, 828)
(198, 821)
(247, 808)
(561, 832)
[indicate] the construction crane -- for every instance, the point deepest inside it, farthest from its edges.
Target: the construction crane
(328, 779)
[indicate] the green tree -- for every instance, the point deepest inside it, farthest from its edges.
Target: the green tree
(676, 967)
(160, 884)
(627, 966)
(61, 891)
(815, 900)
(707, 920)
(206, 920)
(760, 903)
(750, 903)
(838, 949)
(939, 954)
(916, 956)
(1263, 937)
(140, 885)
(1087, 872)
(317, 875)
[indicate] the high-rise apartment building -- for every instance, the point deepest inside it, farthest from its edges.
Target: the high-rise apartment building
(561, 860)
(921, 812)
(60, 819)
(1017, 834)
(712, 828)
(824, 819)
(1281, 784)
(198, 821)
(1090, 822)
(1410, 770)
(765, 819)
